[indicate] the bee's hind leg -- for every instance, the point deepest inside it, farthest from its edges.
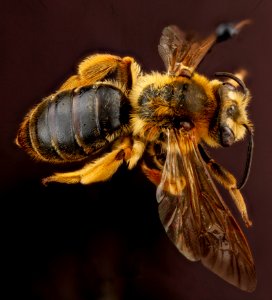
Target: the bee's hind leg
(101, 169)
(228, 181)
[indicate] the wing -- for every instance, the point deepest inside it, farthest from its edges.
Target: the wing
(196, 218)
(180, 51)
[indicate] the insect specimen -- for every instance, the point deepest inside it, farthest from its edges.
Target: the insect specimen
(114, 113)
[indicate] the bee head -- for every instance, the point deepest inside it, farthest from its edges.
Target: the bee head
(231, 120)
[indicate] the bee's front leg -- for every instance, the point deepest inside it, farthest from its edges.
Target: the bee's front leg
(228, 181)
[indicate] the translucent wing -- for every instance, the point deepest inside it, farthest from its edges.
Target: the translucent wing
(180, 51)
(196, 218)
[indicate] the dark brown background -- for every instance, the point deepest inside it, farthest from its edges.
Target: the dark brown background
(100, 242)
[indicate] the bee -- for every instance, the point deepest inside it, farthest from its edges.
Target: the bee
(112, 113)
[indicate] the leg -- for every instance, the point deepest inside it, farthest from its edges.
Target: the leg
(228, 181)
(71, 83)
(173, 187)
(101, 169)
(137, 152)
(101, 67)
(153, 175)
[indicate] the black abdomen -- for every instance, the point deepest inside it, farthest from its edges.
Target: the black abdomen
(74, 124)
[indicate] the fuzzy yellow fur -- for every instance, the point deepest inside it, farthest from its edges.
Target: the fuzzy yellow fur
(158, 80)
(101, 169)
(96, 67)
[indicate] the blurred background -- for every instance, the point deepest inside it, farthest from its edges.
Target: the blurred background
(105, 241)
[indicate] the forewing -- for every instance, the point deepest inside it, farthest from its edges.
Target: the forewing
(197, 220)
(180, 51)
(173, 47)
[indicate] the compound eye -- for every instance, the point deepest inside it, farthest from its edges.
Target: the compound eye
(232, 110)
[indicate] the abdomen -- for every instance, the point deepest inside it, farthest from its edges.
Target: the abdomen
(74, 124)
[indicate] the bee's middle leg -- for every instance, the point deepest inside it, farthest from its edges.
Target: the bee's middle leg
(171, 185)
